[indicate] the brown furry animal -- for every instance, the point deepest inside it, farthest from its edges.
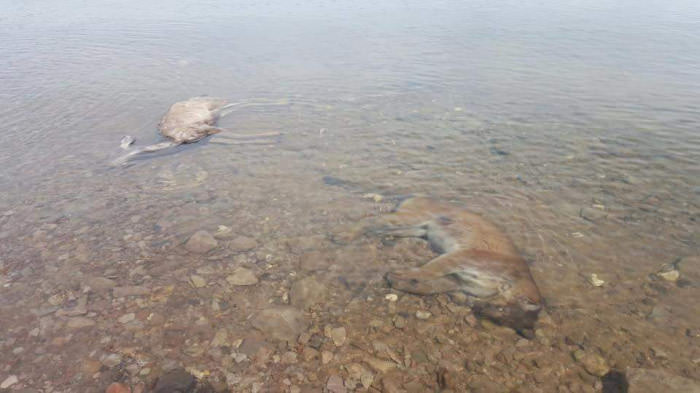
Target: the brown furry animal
(477, 259)
(188, 122)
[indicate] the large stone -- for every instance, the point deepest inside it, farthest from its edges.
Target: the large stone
(281, 323)
(241, 277)
(175, 381)
(242, 243)
(642, 380)
(307, 292)
(201, 243)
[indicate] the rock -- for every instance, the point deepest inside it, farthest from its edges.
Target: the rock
(9, 381)
(220, 338)
(112, 360)
(641, 380)
(326, 357)
(307, 292)
(223, 232)
(282, 323)
(392, 297)
(130, 291)
(175, 381)
(379, 365)
(399, 322)
(126, 318)
(335, 384)
(338, 335)
(242, 276)
(198, 281)
(100, 284)
(201, 243)
(669, 271)
(117, 387)
(592, 363)
(242, 243)
(595, 281)
(79, 323)
(91, 366)
(420, 314)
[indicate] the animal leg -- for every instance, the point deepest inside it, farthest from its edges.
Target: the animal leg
(146, 149)
(433, 277)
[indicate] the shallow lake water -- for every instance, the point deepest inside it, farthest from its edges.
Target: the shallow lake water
(574, 126)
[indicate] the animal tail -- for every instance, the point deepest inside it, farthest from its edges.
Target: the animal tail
(146, 149)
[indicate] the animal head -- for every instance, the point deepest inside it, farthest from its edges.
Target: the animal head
(519, 314)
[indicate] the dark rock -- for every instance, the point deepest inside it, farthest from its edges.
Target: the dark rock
(175, 381)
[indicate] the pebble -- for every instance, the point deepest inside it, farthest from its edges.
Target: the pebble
(335, 384)
(400, 322)
(117, 387)
(326, 357)
(420, 314)
(201, 243)
(282, 322)
(242, 243)
(595, 281)
(112, 360)
(198, 281)
(79, 323)
(177, 380)
(338, 335)
(241, 277)
(392, 297)
(126, 318)
(223, 232)
(379, 365)
(9, 381)
(592, 363)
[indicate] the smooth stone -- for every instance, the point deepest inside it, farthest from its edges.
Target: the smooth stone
(281, 323)
(9, 381)
(423, 314)
(338, 335)
(80, 322)
(198, 281)
(379, 365)
(201, 243)
(112, 360)
(242, 243)
(126, 318)
(335, 384)
(175, 381)
(641, 380)
(307, 292)
(117, 387)
(592, 363)
(242, 276)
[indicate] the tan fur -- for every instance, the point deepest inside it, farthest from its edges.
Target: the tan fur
(188, 122)
(476, 258)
